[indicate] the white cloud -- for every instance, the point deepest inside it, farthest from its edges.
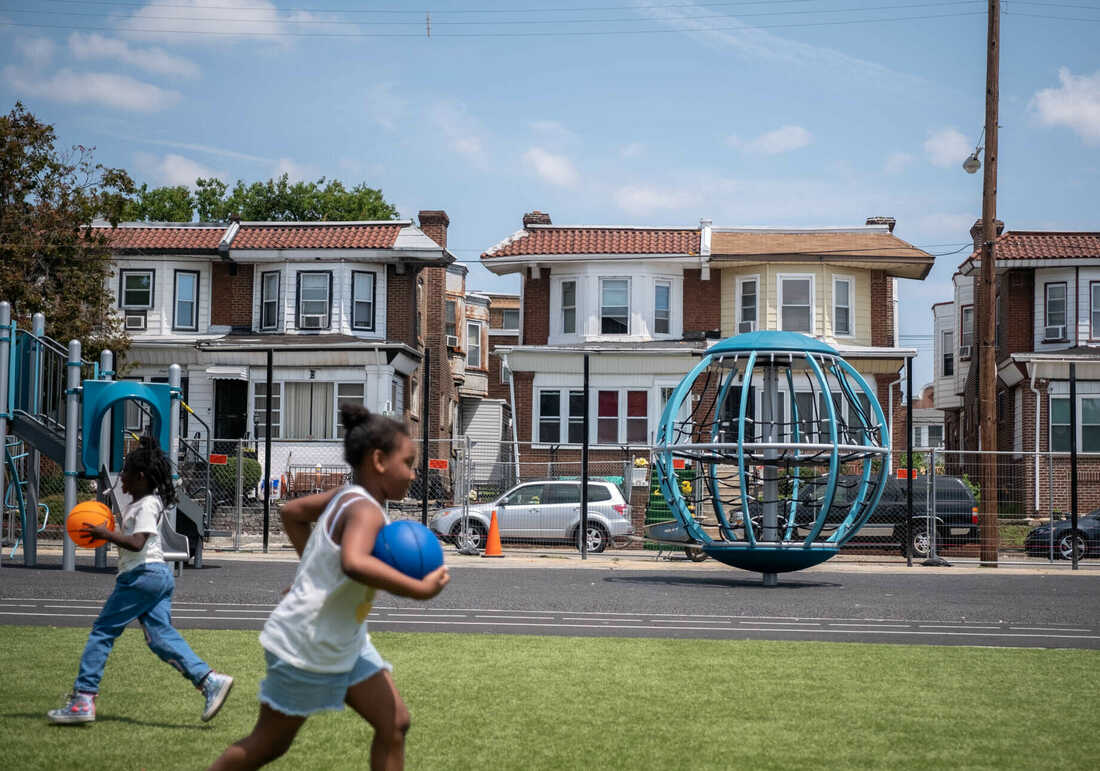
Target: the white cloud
(463, 132)
(1075, 104)
(36, 50)
(211, 21)
(297, 172)
(385, 105)
(209, 149)
(103, 88)
(172, 169)
(555, 169)
(781, 140)
(632, 150)
(554, 131)
(643, 200)
(947, 147)
(96, 46)
(896, 163)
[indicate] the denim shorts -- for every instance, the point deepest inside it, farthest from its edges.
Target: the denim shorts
(299, 692)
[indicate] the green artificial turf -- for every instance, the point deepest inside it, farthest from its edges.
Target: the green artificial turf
(489, 702)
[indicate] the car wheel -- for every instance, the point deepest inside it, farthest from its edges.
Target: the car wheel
(1070, 541)
(920, 542)
(597, 537)
(474, 535)
(695, 554)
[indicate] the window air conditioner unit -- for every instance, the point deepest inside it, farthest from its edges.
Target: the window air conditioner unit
(452, 341)
(1055, 333)
(746, 326)
(313, 322)
(135, 321)
(964, 351)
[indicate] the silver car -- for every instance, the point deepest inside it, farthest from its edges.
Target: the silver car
(548, 510)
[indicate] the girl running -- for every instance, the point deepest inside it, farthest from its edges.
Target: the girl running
(319, 655)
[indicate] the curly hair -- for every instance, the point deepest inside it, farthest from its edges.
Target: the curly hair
(365, 431)
(149, 459)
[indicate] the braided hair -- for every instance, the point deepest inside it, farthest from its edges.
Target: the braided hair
(149, 459)
(366, 431)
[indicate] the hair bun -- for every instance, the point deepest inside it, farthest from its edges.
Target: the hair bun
(352, 415)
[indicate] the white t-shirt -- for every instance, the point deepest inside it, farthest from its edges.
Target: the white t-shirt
(141, 516)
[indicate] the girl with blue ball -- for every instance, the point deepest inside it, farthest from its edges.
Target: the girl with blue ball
(319, 655)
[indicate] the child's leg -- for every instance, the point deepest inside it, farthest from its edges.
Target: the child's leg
(270, 738)
(163, 639)
(376, 699)
(127, 602)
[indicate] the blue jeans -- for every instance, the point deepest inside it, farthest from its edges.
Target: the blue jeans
(143, 594)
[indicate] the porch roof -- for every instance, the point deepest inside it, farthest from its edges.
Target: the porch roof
(1055, 364)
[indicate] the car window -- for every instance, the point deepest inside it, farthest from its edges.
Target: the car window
(524, 496)
(562, 493)
(597, 493)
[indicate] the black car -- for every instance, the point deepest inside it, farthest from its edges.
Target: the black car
(1086, 539)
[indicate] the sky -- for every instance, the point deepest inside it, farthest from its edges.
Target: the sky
(796, 113)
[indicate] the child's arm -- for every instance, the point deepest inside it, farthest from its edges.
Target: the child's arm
(132, 542)
(300, 513)
(364, 521)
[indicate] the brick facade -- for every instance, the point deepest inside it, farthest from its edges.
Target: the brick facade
(231, 295)
(702, 301)
(882, 309)
(536, 308)
(497, 389)
(443, 394)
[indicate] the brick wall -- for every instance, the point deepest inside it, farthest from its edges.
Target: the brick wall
(401, 305)
(702, 301)
(883, 392)
(536, 308)
(231, 296)
(443, 392)
(882, 309)
(498, 390)
(1017, 306)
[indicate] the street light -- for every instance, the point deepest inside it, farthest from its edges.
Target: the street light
(972, 164)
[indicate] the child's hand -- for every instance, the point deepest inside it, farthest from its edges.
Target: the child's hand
(431, 584)
(95, 532)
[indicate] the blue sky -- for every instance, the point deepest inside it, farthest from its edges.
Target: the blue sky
(749, 113)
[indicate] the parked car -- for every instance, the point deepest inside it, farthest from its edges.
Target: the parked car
(547, 510)
(1086, 539)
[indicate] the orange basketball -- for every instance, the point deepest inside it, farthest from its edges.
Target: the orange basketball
(88, 513)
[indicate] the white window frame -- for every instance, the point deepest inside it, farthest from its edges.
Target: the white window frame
(947, 343)
(574, 307)
(258, 413)
(963, 313)
(851, 282)
(1081, 425)
(299, 300)
(338, 398)
(1064, 285)
(779, 279)
(475, 327)
(620, 415)
(600, 317)
(450, 318)
(509, 310)
(741, 281)
(176, 324)
(355, 300)
(123, 274)
(565, 417)
(264, 299)
(668, 310)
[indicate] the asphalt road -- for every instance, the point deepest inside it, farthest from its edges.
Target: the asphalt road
(889, 606)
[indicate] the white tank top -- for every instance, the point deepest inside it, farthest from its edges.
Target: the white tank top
(320, 625)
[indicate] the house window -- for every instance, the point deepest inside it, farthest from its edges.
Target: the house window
(362, 300)
(135, 289)
(550, 417)
(966, 330)
(1090, 425)
(615, 306)
(397, 396)
(842, 307)
(450, 326)
(309, 410)
(637, 417)
(568, 307)
(259, 410)
(269, 300)
(186, 300)
(746, 319)
(505, 374)
(473, 344)
(346, 393)
(1055, 313)
(1094, 309)
(796, 303)
(948, 354)
(607, 417)
(661, 314)
(1059, 424)
(509, 318)
(804, 401)
(576, 417)
(418, 325)
(935, 436)
(314, 300)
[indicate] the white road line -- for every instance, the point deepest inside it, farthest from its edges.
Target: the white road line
(9, 605)
(418, 615)
(957, 626)
(783, 623)
(49, 615)
(604, 620)
(75, 607)
(877, 626)
(175, 602)
(1047, 629)
(219, 610)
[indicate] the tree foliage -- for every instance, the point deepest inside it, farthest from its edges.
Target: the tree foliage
(161, 204)
(52, 262)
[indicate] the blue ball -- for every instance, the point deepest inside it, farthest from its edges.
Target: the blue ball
(409, 547)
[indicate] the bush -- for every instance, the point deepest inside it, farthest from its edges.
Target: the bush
(225, 477)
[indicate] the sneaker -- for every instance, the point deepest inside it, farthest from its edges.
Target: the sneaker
(80, 708)
(215, 687)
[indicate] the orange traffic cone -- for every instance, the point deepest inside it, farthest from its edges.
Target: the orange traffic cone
(492, 543)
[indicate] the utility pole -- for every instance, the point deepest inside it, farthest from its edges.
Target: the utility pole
(987, 366)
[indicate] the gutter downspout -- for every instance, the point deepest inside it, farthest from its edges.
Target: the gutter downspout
(894, 281)
(515, 415)
(1038, 409)
(890, 420)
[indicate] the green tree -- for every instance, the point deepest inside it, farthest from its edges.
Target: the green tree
(162, 204)
(50, 260)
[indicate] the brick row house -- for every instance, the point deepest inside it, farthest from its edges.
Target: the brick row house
(348, 308)
(646, 302)
(1047, 316)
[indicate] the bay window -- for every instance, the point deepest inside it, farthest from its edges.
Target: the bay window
(842, 307)
(185, 301)
(615, 306)
(135, 289)
(269, 300)
(661, 308)
(746, 316)
(314, 300)
(362, 300)
(796, 303)
(568, 307)
(473, 344)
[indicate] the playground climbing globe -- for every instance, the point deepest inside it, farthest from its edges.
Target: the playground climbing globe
(788, 445)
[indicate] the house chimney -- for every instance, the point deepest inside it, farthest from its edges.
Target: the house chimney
(976, 232)
(887, 221)
(536, 217)
(434, 223)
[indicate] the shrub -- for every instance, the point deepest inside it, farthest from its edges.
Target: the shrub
(225, 477)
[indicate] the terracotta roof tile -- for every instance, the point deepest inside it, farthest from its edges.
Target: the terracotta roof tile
(1042, 245)
(181, 238)
(318, 236)
(597, 240)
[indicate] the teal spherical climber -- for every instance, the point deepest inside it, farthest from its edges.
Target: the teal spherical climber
(788, 448)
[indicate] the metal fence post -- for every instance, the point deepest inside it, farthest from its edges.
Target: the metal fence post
(34, 477)
(72, 419)
(1050, 496)
(106, 372)
(6, 334)
(931, 505)
(240, 492)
